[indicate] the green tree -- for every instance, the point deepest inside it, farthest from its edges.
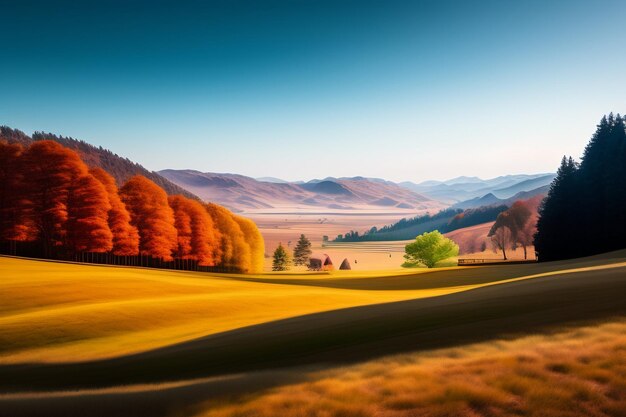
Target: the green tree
(281, 259)
(428, 249)
(302, 252)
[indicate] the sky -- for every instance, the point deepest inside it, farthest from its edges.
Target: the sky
(401, 90)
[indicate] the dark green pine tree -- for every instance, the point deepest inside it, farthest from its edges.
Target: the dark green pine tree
(554, 238)
(602, 178)
(302, 252)
(281, 259)
(585, 211)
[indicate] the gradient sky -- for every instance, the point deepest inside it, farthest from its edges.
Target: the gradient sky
(403, 90)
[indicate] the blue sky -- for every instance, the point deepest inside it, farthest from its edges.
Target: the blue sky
(403, 90)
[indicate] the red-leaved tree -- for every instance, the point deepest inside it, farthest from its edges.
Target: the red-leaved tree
(125, 235)
(87, 216)
(51, 171)
(198, 239)
(14, 224)
(152, 216)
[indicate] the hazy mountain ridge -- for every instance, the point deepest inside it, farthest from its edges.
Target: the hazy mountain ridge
(462, 189)
(239, 192)
(491, 199)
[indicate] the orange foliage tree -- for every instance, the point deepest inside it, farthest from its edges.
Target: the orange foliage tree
(13, 225)
(51, 170)
(198, 239)
(255, 241)
(151, 214)
(87, 213)
(125, 235)
(235, 252)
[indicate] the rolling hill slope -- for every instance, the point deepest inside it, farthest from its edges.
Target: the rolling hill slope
(462, 305)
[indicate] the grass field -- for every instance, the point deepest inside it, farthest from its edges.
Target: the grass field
(129, 341)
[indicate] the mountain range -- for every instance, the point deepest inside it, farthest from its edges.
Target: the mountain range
(462, 189)
(242, 193)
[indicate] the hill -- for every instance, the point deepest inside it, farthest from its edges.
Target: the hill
(445, 221)
(242, 193)
(119, 167)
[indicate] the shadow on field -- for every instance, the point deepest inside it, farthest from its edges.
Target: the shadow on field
(350, 335)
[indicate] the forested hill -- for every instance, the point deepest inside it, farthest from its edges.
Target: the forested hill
(120, 168)
(445, 221)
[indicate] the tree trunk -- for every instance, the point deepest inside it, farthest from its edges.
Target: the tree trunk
(504, 253)
(525, 253)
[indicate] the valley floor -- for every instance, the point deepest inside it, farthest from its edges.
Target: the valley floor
(97, 340)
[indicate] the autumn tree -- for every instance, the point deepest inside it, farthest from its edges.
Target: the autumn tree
(281, 259)
(521, 223)
(198, 238)
(428, 249)
(87, 216)
(255, 241)
(13, 224)
(52, 170)
(235, 251)
(302, 251)
(502, 239)
(125, 235)
(152, 216)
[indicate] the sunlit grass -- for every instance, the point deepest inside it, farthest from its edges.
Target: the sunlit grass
(579, 372)
(65, 312)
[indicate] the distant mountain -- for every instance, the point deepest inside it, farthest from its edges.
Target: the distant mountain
(461, 189)
(120, 168)
(242, 193)
(490, 199)
(524, 186)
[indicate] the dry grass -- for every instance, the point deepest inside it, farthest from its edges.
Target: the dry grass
(580, 372)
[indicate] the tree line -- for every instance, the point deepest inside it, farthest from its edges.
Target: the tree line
(445, 221)
(585, 210)
(53, 206)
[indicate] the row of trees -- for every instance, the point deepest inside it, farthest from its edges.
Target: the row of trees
(585, 210)
(50, 198)
(514, 227)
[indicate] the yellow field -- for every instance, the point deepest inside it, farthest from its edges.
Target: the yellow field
(65, 312)
(116, 341)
